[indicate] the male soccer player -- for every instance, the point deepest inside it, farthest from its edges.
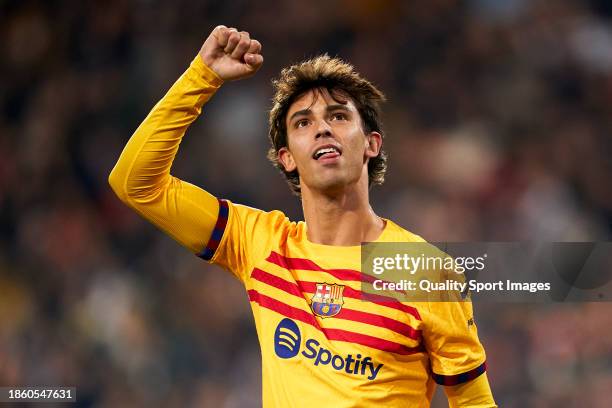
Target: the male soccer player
(321, 345)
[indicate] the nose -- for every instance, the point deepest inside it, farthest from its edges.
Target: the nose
(323, 129)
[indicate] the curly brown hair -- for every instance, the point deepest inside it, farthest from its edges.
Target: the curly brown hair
(340, 79)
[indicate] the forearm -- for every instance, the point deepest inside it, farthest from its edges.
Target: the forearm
(472, 394)
(143, 169)
(141, 178)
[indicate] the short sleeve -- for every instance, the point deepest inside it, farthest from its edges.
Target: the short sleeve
(451, 339)
(243, 235)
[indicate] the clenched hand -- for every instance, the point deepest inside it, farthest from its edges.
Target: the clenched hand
(232, 54)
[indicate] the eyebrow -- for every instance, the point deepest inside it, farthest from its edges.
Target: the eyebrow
(329, 108)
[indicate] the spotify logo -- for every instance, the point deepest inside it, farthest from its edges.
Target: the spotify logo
(287, 339)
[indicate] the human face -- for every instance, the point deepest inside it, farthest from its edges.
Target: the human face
(326, 143)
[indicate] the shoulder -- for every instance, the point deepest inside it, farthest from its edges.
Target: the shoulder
(249, 217)
(396, 233)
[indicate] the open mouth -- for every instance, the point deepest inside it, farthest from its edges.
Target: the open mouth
(326, 152)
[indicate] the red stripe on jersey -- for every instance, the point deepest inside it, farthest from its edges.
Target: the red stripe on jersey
(308, 265)
(346, 275)
(350, 275)
(282, 308)
(277, 282)
(382, 300)
(380, 321)
(332, 334)
(370, 341)
(345, 313)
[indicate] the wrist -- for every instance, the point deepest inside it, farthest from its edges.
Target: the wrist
(206, 72)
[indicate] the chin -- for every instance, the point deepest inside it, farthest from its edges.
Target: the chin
(334, 184)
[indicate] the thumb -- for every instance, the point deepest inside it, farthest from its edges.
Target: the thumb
(253, 60)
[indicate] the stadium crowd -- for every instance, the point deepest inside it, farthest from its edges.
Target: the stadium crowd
(498, 127)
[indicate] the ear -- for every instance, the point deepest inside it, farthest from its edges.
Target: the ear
(286, 159)
(373, 144)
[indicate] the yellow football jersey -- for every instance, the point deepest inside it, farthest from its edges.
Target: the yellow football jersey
(321, 344)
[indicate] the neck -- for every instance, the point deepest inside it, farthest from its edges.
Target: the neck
(344, 218)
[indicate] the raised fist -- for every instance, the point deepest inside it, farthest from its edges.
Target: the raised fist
(232, 54)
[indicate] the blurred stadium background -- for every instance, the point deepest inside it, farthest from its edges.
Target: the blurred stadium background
(498, 128)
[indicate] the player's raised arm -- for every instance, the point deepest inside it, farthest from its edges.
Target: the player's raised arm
(141, 178)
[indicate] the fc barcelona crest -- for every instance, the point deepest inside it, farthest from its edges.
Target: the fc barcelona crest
(327, 301)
